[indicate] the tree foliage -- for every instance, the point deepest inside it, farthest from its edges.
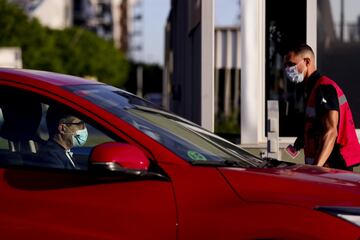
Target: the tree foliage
(74, 51)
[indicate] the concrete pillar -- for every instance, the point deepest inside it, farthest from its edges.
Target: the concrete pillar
(218, 66)
(227, 92)
(139, 79)
(311, 24)
(253, 72)
(236, 90)
(207, 64)
(227, 82)
(216, 97)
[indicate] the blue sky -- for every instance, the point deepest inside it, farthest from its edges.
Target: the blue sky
(155, 15)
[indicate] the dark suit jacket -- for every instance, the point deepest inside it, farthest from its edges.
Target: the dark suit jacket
(54, 155)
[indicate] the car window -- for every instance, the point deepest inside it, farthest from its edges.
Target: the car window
(182, 137)
(26, 138)
(3, 142)
(79, 154)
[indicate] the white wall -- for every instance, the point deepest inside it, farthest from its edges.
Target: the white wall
(10, 57)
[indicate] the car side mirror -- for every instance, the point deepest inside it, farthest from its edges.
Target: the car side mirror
(118, 157)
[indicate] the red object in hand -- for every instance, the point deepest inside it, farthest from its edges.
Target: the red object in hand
(292, 151)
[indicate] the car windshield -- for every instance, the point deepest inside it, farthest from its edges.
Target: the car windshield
(186, 139)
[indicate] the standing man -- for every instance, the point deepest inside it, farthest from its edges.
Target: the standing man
(329, 133)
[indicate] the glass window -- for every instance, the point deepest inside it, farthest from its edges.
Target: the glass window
(184, 138)
(38, 132)
(338, 47)
(73, 125)
(284, 28)
(3, 142)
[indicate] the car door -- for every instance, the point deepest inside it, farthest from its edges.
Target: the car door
(39, 201)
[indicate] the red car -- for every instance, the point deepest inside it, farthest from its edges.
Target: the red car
(145, 173)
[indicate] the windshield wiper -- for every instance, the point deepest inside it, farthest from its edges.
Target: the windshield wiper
(226, 163)
(266, 162)
(274, 163)
(207, 163)
(234, 163)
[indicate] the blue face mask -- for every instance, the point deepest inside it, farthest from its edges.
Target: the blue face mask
(80, 137)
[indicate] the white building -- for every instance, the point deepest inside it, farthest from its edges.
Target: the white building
(52, 13)
(10, 57)
(100, 16)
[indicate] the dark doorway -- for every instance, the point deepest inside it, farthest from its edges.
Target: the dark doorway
(285, 26)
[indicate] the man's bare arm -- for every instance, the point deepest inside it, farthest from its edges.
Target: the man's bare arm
(330, 122)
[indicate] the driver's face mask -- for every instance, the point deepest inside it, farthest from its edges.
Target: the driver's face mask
(80, 137)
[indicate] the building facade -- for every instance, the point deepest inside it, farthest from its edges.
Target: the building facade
(189, 61)
(266, 32)
(52, 13)
(103, 17)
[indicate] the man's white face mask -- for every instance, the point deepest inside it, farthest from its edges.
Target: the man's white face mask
(293, 74)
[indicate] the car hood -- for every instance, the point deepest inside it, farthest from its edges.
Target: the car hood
(296, 185)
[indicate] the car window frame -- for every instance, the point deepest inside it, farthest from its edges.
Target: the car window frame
(48, 97)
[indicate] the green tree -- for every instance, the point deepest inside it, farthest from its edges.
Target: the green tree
(72, 51)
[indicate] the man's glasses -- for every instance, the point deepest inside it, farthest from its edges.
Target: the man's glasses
(81, 123)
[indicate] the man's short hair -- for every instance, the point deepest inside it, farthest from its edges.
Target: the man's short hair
(301, 49)
(55, 116)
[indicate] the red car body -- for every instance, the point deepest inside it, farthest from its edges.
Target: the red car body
(187, 201)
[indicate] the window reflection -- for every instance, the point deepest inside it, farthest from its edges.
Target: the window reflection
(284, 28)
(338, 47)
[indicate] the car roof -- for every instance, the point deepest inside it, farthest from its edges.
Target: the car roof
(19, 75)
